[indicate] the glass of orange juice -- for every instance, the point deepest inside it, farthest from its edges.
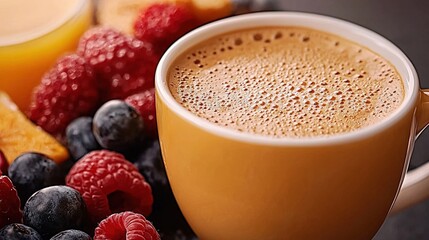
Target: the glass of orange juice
(33, 33)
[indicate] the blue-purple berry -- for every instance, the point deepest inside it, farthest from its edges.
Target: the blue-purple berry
(55, 209)
(166, 215)
(17, 231)
(150, 165)
(117, 126)
(71, 234)
(31, 172)
(80, 139)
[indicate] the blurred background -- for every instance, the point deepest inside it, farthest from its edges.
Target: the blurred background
(406, 24)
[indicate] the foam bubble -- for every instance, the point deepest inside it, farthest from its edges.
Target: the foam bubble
(257, 37)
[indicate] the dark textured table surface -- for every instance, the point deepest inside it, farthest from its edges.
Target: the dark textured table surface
(405, 23)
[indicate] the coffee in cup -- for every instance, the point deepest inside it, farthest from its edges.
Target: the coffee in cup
(286, 82)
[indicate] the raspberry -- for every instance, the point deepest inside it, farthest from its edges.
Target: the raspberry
(4, 165)
(108, 184)
(67, 91)
(144, 103)
(162, 24)
(133, 80)
(108, 50)
(125, 65)
(9, 203)
(126, 225)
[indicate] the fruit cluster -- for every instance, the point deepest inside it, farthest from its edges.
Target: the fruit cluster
(110, 182)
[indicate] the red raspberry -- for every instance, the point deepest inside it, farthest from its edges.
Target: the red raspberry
(144, 103)
(9, 203)
(108, 184)
(110, 51)
(163, 23)
(4, 165)
(69, 90)
(127, 226)
(135, 80)
(124, 65)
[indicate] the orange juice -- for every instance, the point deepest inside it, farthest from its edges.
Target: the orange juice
(32, 35)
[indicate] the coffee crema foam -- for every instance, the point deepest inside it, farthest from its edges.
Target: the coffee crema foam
(285, 82)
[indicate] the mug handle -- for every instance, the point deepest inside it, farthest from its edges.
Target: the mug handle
(415, 187)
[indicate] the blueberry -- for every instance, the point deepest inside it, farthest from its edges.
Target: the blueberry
(80, 139)
(117, 126)
(151, 166)
(17, 231)
(71, 235)
(33, 171)
(166, 214)
(179, 234)
(54, 209)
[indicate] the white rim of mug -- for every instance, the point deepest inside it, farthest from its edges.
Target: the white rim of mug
(71, 14)
(309, 20)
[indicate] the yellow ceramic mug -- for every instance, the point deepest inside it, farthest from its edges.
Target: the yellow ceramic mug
(233, 185)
